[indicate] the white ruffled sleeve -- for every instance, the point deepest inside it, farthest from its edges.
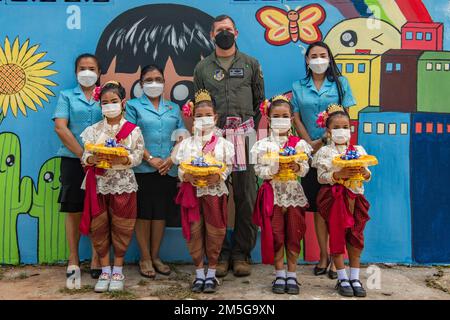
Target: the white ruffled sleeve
(323, 162)
(228, 154)
(87, 136)
(303, 146)
(264, 169)
(137, 148)
(363, 152)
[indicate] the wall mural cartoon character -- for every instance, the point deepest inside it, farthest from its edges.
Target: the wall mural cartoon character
(52, 246)
(174, 37)
(23, 82)
(282, 26)
(16, 196)
(363, 36)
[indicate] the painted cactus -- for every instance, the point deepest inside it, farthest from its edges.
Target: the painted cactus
(16, 195)
(52, 245)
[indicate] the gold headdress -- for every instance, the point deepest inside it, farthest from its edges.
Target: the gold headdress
(202, 95)
(280, 97)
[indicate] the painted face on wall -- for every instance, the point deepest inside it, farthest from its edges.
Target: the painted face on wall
(9, 158)
(363, 35)
(49, 178)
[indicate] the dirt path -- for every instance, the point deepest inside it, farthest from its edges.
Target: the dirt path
(396, 282)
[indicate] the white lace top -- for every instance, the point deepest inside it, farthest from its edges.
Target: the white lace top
(120, 179)
(192, 147)
(286, 193)
(323, 162)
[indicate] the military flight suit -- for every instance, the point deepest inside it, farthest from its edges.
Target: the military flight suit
(237, 91)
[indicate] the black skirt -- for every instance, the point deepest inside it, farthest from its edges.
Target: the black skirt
(311, 186)
(71, 196)
(156, 198)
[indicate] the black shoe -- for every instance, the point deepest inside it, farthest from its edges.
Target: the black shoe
(359, 292)
(321, 271)
(332, 274)
(95, 273)
(346, 291)
(198, 285)
(210, 285)
(292, 288)
(277, 287)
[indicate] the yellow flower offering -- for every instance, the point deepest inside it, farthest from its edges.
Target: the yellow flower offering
(202, 167)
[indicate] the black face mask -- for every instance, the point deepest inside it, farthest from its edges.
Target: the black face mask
(225, 40)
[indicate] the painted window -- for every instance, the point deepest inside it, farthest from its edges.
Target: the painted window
(447, 67)
(448, 128)
(392, 128)
(429, 66)
(429, 127)
(398, 67)
(381, 127)
(418, 127)
(409, 35)
(361, 68)
(419, 36)
(339, 65)
(439, 128)
(367, 127)
(352, 129)
(349, 68)
(389, 67)
(428, 36)
(403, 128)
(438, 66)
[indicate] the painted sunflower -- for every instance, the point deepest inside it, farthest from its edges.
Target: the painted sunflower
(23, 82)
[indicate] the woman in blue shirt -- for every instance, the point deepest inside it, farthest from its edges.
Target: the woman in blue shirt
(159, 120)
(322, 86)
(76, 110)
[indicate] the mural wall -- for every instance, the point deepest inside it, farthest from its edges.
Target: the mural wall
(394, 53)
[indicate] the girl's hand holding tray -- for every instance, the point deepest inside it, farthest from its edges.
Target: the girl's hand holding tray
(285, 158)
(107, 152)
(201, 168)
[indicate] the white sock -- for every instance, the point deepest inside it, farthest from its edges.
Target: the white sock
(291, 275)
(200, 273)
(211, 273)
(354, 275)
(117, 270)
(106, 270)
(342, 275)
(280, 274)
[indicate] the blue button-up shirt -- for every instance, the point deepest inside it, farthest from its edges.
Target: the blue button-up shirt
(80, 113)
(157, 127)
(309, 101)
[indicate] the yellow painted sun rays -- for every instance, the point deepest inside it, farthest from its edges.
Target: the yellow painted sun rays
(23, 82)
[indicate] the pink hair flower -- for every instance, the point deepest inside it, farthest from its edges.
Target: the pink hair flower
(96, 93)
(264, 107)
(187, 109)
(322, 119)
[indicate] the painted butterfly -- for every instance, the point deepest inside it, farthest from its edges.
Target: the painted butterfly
(283, 26)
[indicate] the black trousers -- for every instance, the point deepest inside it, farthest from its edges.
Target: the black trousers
(243, 241)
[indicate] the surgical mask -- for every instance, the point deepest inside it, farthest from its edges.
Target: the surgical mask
(319, 65)
(281, 124)
(112, 110)
(153, 89)
(340, 136)
(225, 39)
(87, 78)
(204, 123)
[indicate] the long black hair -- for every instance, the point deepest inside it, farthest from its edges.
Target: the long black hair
(333, 73)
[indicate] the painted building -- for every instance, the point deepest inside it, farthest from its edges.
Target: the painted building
(363, 74)
(408, 202)
(422, 36)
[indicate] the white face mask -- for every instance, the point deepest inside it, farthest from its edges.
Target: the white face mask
(153, 89)
(319, 65)
(112, 110)
(87, 78)
(280, 124)
(340, 136)
(204, 123)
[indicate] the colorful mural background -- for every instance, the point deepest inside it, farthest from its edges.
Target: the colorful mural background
(393, 53)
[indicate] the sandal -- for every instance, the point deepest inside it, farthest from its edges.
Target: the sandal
(161, 268)
(198, 285)
(210, 285)
(292, 288)
(321, 271)
(146, 269)
(73, 277)
(279, 288)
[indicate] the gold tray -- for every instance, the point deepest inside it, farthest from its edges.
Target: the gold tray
(197, 171)
(363, 161)
(108, 151)
(285, 174)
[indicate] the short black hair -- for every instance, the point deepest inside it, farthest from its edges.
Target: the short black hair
(334, 115)
(220, 18)
(278, 103)
(84, 56)
(151, 67)
(150, 34)
(113, 87)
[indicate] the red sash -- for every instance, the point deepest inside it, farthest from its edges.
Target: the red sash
(292, 141)
(91, 207)
(262, 215)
